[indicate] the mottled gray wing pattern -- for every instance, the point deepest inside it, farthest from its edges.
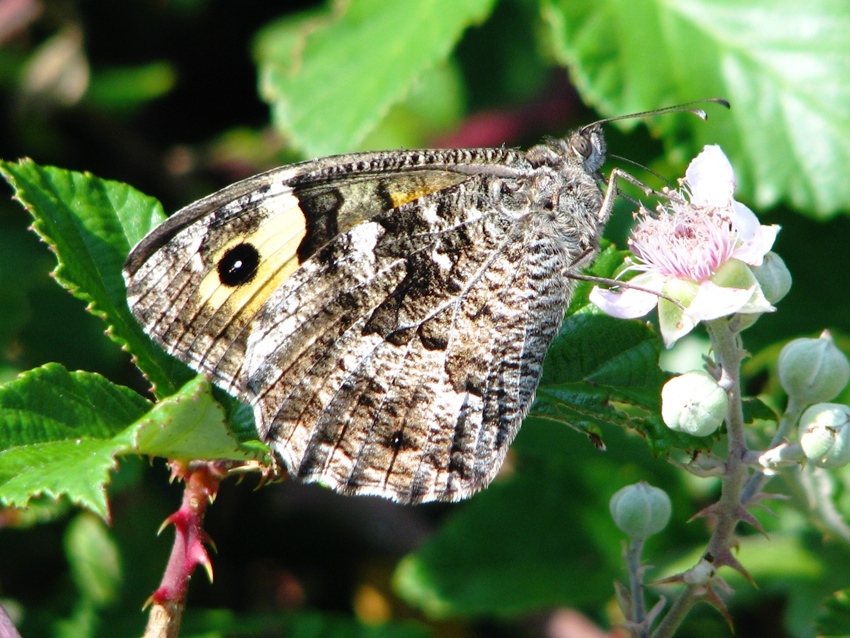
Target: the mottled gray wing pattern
(389, 317)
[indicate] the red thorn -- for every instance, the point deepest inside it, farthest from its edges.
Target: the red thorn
(715, 601)
(709, 512)
(745, 516)
(726, 559)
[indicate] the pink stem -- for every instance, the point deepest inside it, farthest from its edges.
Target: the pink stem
(169, 600)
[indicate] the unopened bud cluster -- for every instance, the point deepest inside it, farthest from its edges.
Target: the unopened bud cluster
(813, 371)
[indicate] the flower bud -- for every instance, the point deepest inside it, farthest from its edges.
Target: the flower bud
(813, 370)
(693, 403)
(640, 510)
(773, 277)
(825, 434)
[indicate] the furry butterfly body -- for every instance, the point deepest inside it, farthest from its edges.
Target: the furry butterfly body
(385, 314)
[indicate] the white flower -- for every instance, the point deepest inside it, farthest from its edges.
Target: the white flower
(697, 250)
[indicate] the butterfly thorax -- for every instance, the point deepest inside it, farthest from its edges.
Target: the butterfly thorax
(566, 187)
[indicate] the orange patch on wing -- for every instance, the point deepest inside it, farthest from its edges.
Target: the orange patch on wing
(404, 196)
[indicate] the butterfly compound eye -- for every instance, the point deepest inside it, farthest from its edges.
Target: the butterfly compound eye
(582, 146)
(238, 265)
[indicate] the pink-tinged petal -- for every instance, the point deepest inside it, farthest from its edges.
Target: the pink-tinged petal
(701, 247)
(628, 303)
(745, 221)
(710, 178)
(757, 240)
(713, 301)
(752, 252)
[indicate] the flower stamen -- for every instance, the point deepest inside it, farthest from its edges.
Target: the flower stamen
(683, 241)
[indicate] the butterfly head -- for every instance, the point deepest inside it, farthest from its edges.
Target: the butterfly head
(583, 150)
(588, 147)
(587, 144)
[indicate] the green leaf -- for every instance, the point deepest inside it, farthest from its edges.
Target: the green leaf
(784, 66)
(50, 404)
(520, 544)
(127, 88)
(606, 351)
(331, 77)
(755, 408)
(834, 620)
(78, 470)
(604, 371)
(189, 425)
(91, 225)
(59, 434)
(94, 559)
(434, 104)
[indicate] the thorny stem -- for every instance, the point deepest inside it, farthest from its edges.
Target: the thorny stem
(169, 600)
(789, 419)
(728, 353)
(815, 485)
(678, 612)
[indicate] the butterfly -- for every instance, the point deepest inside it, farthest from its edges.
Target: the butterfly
(385, 314)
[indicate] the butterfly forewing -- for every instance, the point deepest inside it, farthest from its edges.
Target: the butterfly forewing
(386, 314)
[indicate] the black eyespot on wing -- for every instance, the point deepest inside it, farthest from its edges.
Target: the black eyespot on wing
(238, 265)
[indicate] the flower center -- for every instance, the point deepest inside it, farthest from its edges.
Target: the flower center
(684, 241)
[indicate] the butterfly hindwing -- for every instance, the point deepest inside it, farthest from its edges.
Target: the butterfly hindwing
(384, 387)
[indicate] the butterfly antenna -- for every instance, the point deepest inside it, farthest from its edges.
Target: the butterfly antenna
(687, 107)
